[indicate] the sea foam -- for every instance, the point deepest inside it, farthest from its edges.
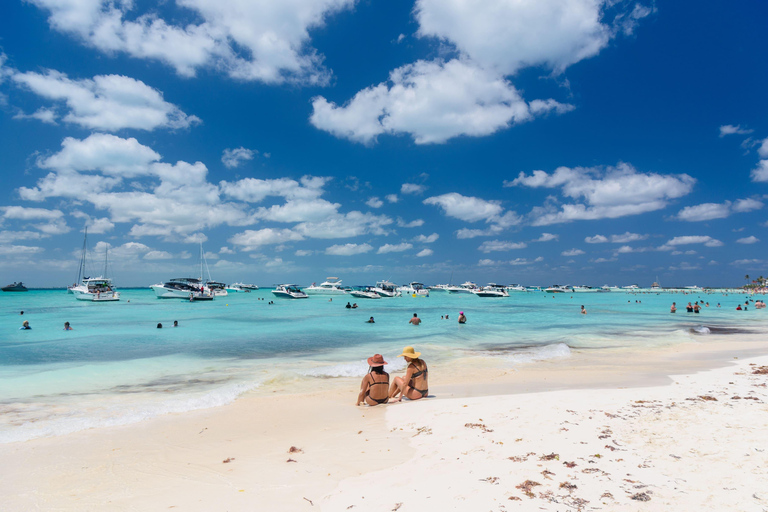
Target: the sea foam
(533, 354)
(355, 369)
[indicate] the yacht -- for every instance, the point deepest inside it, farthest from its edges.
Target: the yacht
(438, 288)
(15, 287)
(242, 287)
(467, 287)
(365, 292)
(516, 288)
(386, 289)
(585, 289)
(289, 291)
(216, 288)
(414, 289)
(630, 288)
(492, 290)
(331, 286)
(93, 289)
(556, 288)
(189, 288)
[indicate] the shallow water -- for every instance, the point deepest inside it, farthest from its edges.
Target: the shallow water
(116, 367)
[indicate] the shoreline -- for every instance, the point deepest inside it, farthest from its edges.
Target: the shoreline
(177, 460)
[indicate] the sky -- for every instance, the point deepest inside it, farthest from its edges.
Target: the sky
(510, 141)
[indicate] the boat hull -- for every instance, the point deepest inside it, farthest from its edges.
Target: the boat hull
(95, 297)
(286, 295)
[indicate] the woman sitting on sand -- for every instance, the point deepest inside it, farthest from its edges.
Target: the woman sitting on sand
(371, 389)
(414, 385)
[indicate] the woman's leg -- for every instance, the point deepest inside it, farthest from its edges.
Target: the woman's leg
(396, 388)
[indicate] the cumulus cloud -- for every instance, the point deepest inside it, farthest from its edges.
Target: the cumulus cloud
(427, 239)
(748, 240)
(729, 129)
(255, 190)
(466, 208)
(392, 198)
(412, 188)
(394, 248)
(606, 192)
(424, 252)
(232, 158)
(19, 250)
(710, 211)
(345, 225)
(374, 202)
(760, 173)
(597, 239)
(572, 252)
(299, 211)
(250, 240)
(546, 237)
(256, 40)
(413, 224)
(106, 102)
(45, 115)
(348, 249)
(499, 245)
(24, 213)
(708, 241)
(432, 101)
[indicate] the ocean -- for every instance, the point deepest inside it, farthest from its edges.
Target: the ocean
(116, 367)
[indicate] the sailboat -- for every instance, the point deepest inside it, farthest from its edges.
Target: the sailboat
(93, 289)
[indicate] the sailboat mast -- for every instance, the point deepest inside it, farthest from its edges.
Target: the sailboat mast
(81, 268)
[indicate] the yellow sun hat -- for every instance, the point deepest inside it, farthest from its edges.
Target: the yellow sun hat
(409, 352)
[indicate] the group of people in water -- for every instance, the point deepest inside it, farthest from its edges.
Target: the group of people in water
(375, 388)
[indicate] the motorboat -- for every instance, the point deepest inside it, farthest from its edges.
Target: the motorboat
(386, 289)
(93, 289)
(630, 288)
(289, 291)
(492, 290)
(15, 287)
(414, 289)
(331, 286)
(365, 292)
(516, 288)
(216, 288)
(438, 288)
(189, 288)
(558, 289)
(467, 287)
(585, 289)
(242, 287)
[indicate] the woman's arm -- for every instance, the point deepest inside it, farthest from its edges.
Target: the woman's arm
(363, 389)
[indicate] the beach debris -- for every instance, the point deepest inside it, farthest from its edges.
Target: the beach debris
(206, 428)
(675, 456)
(597, 456)
(762, 370)
(569, 464)
(568, 486)
(491, 480)
(521, 458)
(640, 496)
(310, 501)
(397, 506)
(546, 474)
(422, 430)
(527, 486)
(590, 470)
(478, 425)
(515, 498)
(291, 460)
(607, 495)
(610, 447)
(227, 460)
(708, 398)
(293, 449)
(551, 456)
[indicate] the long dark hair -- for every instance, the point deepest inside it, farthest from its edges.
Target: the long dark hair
(377, 369)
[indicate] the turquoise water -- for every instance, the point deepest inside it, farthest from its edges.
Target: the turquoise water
(116, 367)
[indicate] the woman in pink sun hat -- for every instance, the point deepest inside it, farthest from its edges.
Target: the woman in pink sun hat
(375, 385)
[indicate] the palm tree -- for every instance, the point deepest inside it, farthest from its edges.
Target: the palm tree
(746, 277)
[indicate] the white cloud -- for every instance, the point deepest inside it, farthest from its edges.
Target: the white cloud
(469, 209)
(708, 241)
(45, 115)
(299, 211)
(487, 263)
(607, 193)
(250, 240)
(226, 250)
(748, 240)
(255, 190)
(412, 188)
(254, 40)
(432, 101)
(747, 205)
(413, 224)
(597, 239)
(394, 248)
(760, 173)
(11, 236)
(627, 237)
(424, 252)
(107, 102)
(346, 225)
(763, 149)
(427, 239)
(232, 158)
(158, 255)
(729, 129)
(499, 245)
(510, 35)
(392, 198)
(709, 211)
(546, 237)
(572, 252)
(105, 153)
(24, 213)
(302, 252)
(348, 249)
(17, 250)
(374, 202)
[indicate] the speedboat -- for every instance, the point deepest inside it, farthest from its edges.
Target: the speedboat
(515, 288)
(365, 292)
(289, 291)
(414, 289)
(216, 288)
(467, 287)
(585, 289)
(189, 288)
(386, 289)
(95, 289)
(241, 287)
(492, 290)
(15, 287)
(558, 289)
(438, 288)
(331, 286)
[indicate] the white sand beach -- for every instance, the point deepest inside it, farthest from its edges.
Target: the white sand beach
(676, 429)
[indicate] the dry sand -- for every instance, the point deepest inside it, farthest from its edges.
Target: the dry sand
(597, 431)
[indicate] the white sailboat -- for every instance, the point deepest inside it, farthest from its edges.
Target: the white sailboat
(93, 289)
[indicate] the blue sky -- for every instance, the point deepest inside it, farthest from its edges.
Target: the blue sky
(568, 141)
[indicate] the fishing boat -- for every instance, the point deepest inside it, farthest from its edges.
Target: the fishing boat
(331, 286)
(289, 291)
(15, 287)
(93, 289)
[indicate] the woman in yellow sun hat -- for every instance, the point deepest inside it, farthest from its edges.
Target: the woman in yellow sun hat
(414, 385)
